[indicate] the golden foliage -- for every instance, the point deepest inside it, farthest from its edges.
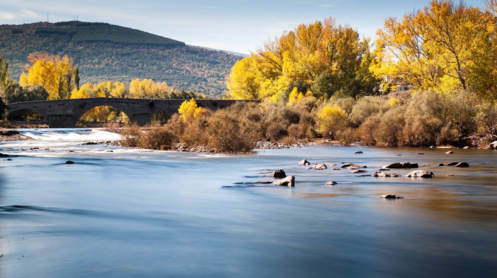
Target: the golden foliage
(444, 46)
(300, 55)
(189, 110)
(55, 73)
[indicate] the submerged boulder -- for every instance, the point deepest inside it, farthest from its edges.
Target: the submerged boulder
(386, 175)
(278, 174)
(288, 181)
(320, 167)
(359, 171)
(392, 196)
(420, 174)
(331, 183)
(304, 162)
(70, 162)
(358, 152)
(352, 166)
(398, 165)
(462, 164)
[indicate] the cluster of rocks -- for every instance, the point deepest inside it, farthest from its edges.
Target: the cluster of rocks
(12, 135)
(275, 145)
(386, 175)
(283, 180)
(111, 143)
(180, 147)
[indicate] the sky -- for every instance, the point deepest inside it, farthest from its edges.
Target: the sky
(239, 26)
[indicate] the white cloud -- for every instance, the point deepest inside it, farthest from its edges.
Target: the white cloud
(30, 14)
(7, 16)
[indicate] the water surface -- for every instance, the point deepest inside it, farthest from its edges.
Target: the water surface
(140, 213)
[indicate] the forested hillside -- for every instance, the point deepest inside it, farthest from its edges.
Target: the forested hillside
(109, 52)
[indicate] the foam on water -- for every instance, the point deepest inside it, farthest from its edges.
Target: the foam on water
(70, 134)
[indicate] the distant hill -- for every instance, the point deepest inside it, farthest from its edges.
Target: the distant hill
(110, 52)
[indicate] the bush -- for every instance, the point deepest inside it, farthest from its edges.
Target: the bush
(157, 138)
(131, 136)
(331, 119)
(347, 136)
(226, 134)
(389, 130)
(366, 107)
(365, 132)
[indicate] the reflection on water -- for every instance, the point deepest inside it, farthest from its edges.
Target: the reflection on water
(138, 213)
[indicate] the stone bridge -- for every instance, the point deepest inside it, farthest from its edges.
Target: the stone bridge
(65, 113)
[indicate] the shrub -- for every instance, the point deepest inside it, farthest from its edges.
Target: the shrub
(226, 134)
(157, 138)
(346, 104)
(389, 130)
(131, 136)
(366, 107)
(365, 132)
(330, 120)
(346, 136)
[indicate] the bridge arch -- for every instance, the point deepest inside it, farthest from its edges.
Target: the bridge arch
(140, 118)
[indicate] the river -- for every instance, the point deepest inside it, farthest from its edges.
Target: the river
(142, 213)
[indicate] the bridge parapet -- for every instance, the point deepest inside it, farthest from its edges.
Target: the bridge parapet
(66, 113)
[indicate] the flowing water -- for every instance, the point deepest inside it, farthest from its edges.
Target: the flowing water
(141, 213)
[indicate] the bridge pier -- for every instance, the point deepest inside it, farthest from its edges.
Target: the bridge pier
(61, 121)
(140, 119)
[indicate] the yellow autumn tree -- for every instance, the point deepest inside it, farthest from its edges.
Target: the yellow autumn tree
(445, 46)
(55, 73)
(147, 88)
(322, 52)
(189, 110)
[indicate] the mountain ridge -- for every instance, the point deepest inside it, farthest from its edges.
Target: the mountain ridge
(106, 52)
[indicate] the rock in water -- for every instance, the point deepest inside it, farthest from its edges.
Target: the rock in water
(385, 175)
(493, 145)
(331, 183)
(420, 174)
(392, 196)
(304, 162)
(288, 181)
(462, 164)
(395, 165)
(352, 166)
(278, 174)
(466, 148)
(398, 165)
(320, 167)
(4, 155)
(449, 152)
(359, 152)
(359, 171)
(70, 162)
(441, 164)
(453, 163)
